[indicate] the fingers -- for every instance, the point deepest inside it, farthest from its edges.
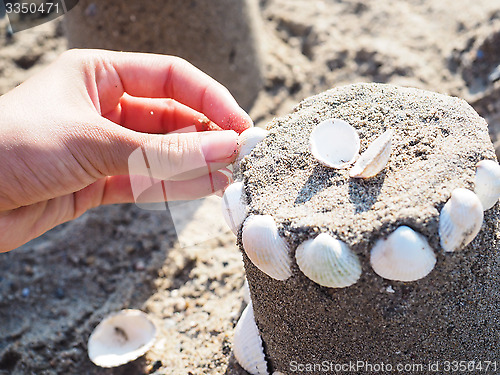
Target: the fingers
(159, 116)
(115, 150)
(140, 189)
(28, 222)
(160, 76)
(183, 156)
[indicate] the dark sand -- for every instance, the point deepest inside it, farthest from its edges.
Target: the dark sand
(452, 314)
(124, 257)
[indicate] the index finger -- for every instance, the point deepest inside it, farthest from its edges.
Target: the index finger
(162, 76)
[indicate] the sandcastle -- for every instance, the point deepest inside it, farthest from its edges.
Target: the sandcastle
(219, 37)
(391, 257)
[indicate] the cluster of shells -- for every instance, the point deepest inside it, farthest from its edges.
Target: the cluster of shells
(404, 255)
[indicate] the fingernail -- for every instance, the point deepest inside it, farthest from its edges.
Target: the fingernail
(220, 182)
(227, 172)
(218, 145)
(219, 191)
(204, 124)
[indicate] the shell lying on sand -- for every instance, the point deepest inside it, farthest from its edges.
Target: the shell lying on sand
(234, 207)
(375, 157)
(460, 220)
(328, 262)
(247, 140)
(487, 183)
(247, 344)
(121, 338)
(404, 256)
(265, 248)
(334, 143)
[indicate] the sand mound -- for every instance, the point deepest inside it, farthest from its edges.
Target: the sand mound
(438, 140)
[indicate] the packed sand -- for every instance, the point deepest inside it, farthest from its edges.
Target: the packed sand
(437, 142)
(54, 290)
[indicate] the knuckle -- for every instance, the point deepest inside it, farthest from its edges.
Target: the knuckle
(175, 151)
(79, 57)
(179, 61)
(170, 104)
(72, 55)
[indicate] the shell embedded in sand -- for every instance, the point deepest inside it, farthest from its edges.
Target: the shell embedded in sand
(375, 158)
(404, 256)
(487, 184)
(246, 291)
(265, 248)
(328, 262)
(334, 143)
(121, 338)
(460, 220)
(234, 208)
(247, 140)
(247, 344)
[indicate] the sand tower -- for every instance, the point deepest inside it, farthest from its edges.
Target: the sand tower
(219, 37)
(368, 220)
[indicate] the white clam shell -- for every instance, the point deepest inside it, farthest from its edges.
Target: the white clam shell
(460, 220)
(121, 338)
(403, 256)
(246, 291)
(487, 186)
(247, 140)
(247, 344)
(334, 143)
(265, 248)
(375, 157)
(328, 261)
(234, 207)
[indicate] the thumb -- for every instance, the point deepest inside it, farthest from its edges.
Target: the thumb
(183, 156)
(174, 156)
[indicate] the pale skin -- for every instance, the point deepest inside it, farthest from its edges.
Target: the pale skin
(66, 135)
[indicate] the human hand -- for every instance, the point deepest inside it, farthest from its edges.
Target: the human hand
(66, 135)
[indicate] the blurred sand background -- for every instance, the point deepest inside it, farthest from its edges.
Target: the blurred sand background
(56, 289)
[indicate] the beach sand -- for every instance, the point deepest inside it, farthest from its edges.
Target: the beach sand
(54, 290)
(451, 313)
